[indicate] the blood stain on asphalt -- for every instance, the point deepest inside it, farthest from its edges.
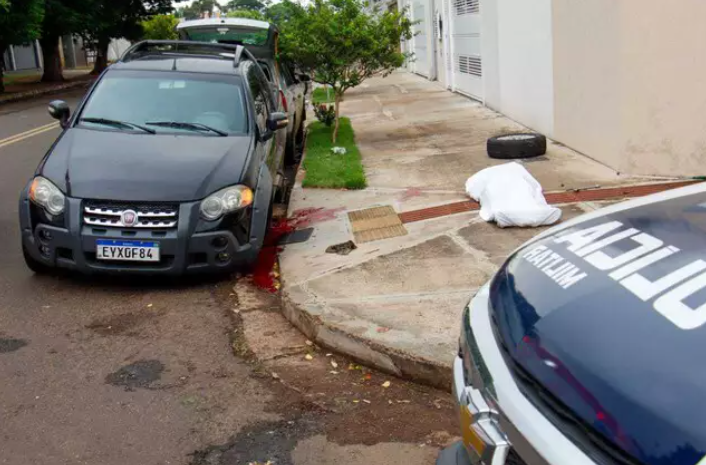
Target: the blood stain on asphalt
(263, 275)
(8, 345)
(140, 374)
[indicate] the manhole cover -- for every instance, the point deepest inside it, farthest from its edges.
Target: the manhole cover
(372, 224)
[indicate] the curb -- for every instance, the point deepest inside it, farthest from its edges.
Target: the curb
(30, 94)
(371, 354)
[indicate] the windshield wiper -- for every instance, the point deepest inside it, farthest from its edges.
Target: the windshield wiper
(187, 126)
(117, 124)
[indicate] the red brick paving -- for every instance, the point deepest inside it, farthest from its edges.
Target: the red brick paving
(554, 198)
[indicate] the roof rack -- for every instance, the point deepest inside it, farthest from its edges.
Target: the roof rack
(188, 48)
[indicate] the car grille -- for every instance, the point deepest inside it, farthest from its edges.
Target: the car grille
(582, 434)
(149, 216)
(514, 459)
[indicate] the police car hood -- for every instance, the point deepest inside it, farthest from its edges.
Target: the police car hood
(605, 320)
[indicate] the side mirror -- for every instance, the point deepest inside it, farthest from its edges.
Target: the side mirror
(304, 78)
(58, 109)
(277, 121)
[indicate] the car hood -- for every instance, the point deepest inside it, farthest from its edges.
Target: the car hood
(112, 165)
(608, 317)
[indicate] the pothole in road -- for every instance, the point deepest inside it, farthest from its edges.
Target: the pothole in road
(10, 345)
(140, 374)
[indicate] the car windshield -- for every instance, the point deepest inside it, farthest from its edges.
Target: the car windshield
(202, 104)
(222, 33)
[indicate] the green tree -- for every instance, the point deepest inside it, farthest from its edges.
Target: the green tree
(283, 12)
(341, 44)
(160, 27)
(117, 19)
(20, 22)
(249, 14)
(198, 8)
(61, 17)
(254, 5)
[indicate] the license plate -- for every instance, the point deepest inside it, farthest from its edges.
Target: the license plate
(133, 251)
(473, 442)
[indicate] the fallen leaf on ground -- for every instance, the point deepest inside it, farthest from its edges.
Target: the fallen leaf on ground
(355, 401)
(275, 375)
(389, 401)
(366, 401)
(308, 357)
(403, 401)
(149, 305)
(236, 311)
(382, 329)
(334, 364)
(328, 355)
(368, 376)
(309, 343)
(386, 384)
(333, 372)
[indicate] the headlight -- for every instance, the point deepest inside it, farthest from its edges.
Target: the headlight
(45, 194)
(225, 201)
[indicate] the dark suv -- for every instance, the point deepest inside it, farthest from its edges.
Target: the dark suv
(169, 165)
(260, 38)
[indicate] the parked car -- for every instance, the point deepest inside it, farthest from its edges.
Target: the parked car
(260, 38)
(587, 346)
(169, 165)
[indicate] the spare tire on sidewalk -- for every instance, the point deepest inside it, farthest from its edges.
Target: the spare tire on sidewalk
(512, 146)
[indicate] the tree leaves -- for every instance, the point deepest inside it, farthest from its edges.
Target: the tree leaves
(341, 43)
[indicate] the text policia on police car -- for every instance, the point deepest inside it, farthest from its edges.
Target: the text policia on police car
(586, 244)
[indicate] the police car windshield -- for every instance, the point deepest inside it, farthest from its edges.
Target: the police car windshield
(138, 97)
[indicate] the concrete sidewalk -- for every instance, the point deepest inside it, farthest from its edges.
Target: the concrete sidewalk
(396, 303)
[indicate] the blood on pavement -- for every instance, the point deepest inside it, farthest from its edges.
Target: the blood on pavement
(264, 275)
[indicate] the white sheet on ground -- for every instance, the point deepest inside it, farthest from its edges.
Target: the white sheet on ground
(510, 196)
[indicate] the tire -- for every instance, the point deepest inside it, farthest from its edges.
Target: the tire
(513, 146)
(34, 265)
(295, 146)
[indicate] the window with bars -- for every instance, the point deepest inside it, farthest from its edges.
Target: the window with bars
(466, 7)
(472, 65)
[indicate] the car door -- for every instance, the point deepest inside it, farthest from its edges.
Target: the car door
(295, 96)
(263, 106)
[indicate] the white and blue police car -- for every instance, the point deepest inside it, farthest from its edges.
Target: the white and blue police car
(589, 344)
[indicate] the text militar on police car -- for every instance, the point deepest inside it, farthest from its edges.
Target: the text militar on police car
(588, 345)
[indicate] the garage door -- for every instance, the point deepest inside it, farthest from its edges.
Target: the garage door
(422, 60)
(466, 47)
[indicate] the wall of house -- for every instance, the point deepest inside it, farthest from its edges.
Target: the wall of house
(663, 105)
(587, 76)
(630, 83)
(518, 60)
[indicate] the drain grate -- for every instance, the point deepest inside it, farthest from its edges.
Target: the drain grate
(372, 224)
(553, 197)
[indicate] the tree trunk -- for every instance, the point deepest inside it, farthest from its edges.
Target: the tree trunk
(336, 104)
(2, 68)
(53, 71)
(101, 56)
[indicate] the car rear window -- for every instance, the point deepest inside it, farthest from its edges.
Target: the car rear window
(229, 34)
(141, 97)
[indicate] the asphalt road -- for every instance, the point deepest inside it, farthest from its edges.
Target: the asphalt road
(98, 371)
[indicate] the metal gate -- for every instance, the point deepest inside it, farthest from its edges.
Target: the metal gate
(422, 60)
(467, 65)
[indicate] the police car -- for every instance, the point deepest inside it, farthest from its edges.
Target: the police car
(589, 344)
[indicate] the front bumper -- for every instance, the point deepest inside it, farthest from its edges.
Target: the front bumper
(182, 249)
(499, 424)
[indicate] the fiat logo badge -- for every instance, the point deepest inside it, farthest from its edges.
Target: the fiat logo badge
(129, 218)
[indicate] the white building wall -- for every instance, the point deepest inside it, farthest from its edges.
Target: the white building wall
(520, 83)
